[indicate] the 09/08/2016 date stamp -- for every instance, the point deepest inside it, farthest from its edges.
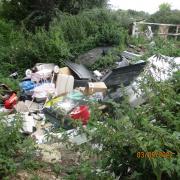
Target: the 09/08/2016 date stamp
(154, 154)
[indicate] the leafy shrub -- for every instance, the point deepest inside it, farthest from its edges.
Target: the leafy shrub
(127, 17)
(13, 84)
(89, 29)
(167, 16)
(165, 47)
(47, 47)
(168, 48)
(68, 36)
(5, 30)
(14, 147)
(152, 127)
(40, 12)
(26, 49)
(108, 61)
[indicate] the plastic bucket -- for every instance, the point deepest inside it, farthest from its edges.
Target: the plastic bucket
(82, 113)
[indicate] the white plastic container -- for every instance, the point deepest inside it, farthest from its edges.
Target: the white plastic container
(28, 123)
(64, 84)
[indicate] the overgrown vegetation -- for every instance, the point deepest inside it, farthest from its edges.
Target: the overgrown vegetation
(166, 15)
(109, 59)
(41, 12)
(67, 36)
(56, 31)
(124, 140)
(17, 151)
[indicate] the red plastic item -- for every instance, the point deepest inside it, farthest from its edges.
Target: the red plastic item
(9, 103)
(82, 113)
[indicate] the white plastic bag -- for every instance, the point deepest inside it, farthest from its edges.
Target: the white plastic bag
(44, 90)
(28, 123)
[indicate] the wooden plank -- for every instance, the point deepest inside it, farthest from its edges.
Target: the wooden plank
(158, 24)
(169, 34)
(177, 31)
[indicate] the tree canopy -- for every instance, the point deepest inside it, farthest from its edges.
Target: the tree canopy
(166, 15)
(164, 7)
(40, 12)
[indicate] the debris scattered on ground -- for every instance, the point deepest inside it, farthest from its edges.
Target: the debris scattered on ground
(50, 153)
(54, 97)
(130, 55)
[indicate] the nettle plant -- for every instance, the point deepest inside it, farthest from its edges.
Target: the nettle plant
(151, 127)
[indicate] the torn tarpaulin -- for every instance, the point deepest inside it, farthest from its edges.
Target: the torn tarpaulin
(159, 67)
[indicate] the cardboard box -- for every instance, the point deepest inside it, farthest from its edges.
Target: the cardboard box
(94, 87)
(65, 70)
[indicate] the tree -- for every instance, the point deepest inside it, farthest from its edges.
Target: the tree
(31, 12)
(40, 12)
(164, 7)
(74, 6)
(166, 15)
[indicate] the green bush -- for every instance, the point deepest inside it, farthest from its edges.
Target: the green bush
(89, 29)
(14, 85)
(108, 61)
(39, 13)
(26, 49)
(165, 47)
(127, 17)
(68, 36)
(47, 47)
(128, 134)
(14, 147)
(162, 46)
(168, 17)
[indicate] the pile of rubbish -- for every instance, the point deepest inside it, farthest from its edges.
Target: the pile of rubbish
(52, 97)
(53, 93)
